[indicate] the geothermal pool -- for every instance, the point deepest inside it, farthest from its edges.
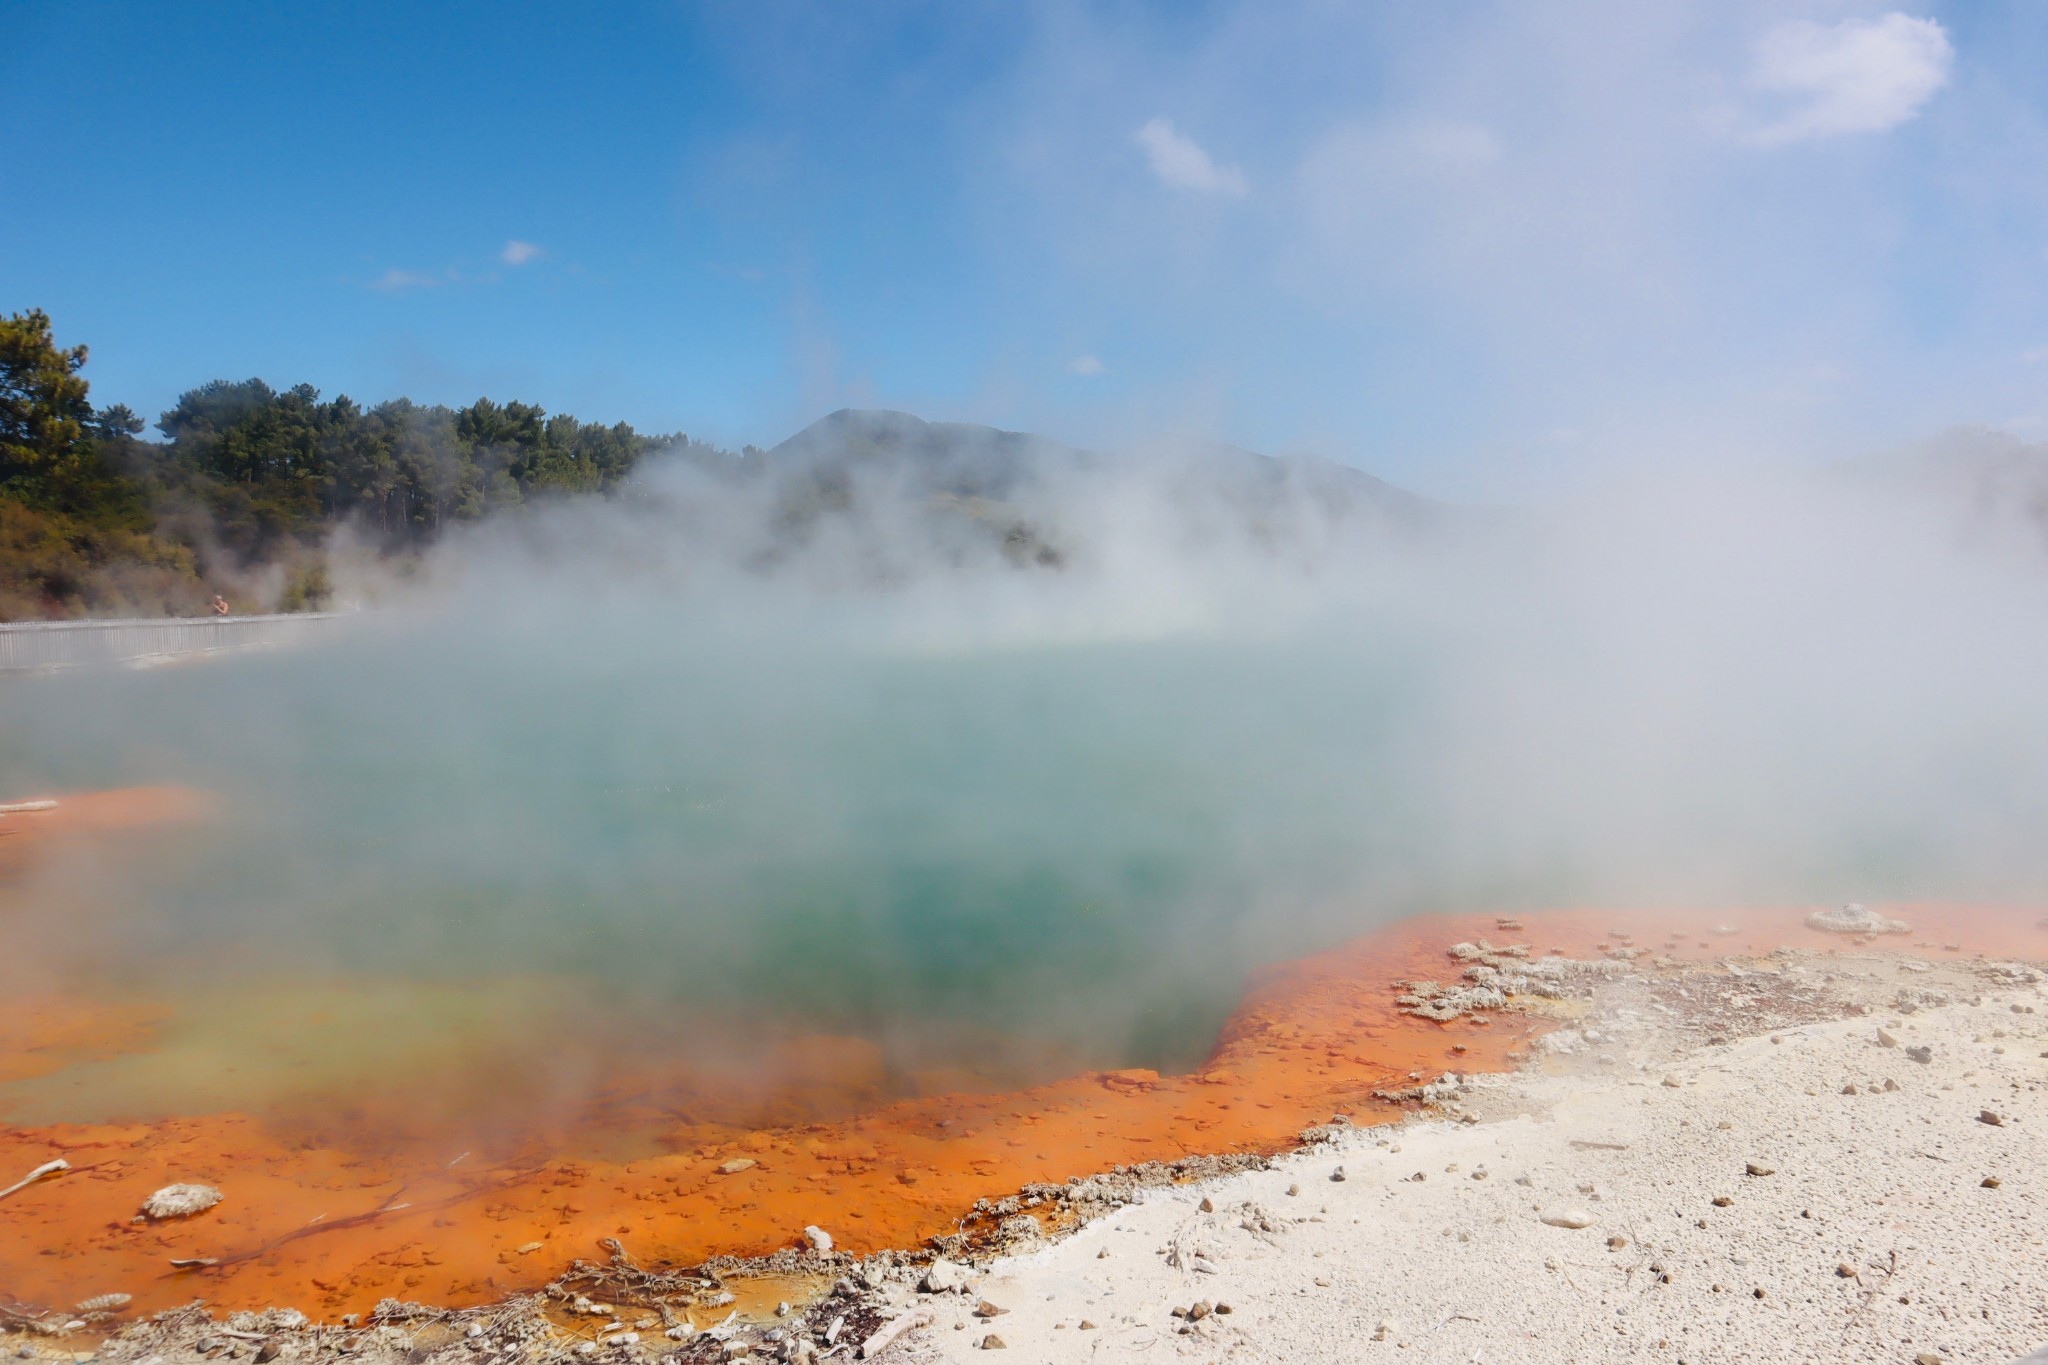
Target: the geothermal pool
(454, 945)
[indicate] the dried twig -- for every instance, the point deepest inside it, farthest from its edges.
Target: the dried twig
(47, 1168)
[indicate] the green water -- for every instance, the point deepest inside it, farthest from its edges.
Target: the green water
(1080, 845)
(1083, 845)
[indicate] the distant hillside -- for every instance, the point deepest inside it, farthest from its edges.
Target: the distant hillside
(1985, 474)
(1015, 485)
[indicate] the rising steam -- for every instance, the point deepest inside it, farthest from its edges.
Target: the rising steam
(942, 738)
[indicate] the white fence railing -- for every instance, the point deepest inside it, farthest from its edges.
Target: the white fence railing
(36, 645)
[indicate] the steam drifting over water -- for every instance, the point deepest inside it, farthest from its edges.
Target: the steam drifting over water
(1012, 757)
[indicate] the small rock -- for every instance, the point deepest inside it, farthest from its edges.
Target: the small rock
(1722, 1201)
(1200, 1311)
(1850, 1089)
(1086, 1325)
(1846, 1271)
(180, 1201)
(1921, 1054)
(1758, 1168)
(1990, 1182)
(1855, 919)
(944, 1277)
(1890, 1084)
(1568, 1218)
(1386, 1329)
(1224, 1308)
(1671, 1082)
(985, 1309)
(992, 1342)
(1616, 1243)
(1885, 1038)
(1986, 1116)
(819, 1239)
(528, 1248)
(736, 1165)
(1338, 1175)
(1930, 1358)
(1207, 1205)
(269, 1351)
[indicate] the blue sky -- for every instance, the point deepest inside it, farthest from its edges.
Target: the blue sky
(1472, 247)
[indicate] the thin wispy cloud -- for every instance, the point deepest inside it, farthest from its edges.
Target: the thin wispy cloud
(396, 281)
(1086, 366)
(1181, 163)
(1854, 76)
(517, 252)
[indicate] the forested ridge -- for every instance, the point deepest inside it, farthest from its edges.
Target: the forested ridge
(247, 486)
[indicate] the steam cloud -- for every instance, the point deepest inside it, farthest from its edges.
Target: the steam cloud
(939, 736)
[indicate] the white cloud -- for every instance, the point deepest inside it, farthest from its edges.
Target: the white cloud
(519, 253)
(1856, 76)
(1086, 366)
(2035, 356)
(1180, 162)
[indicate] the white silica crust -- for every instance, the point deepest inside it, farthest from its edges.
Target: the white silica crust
(181, 1201)
(1855, 919)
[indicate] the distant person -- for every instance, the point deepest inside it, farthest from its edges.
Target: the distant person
(220, 605)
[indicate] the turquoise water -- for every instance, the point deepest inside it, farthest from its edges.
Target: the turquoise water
(1085, 846)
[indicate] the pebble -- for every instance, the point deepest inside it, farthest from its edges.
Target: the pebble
(1921, 1054)
(1086, 1325)
(1386, 1329)
(1986, 1116)
(992, 1342)
(1885, 1038)
(1990, 1182)
(1671, 1082)
(1846, 1271)
(1207, 1205)
(1568, 1218)
(985, 1309)
(1338, 1175)
(1722, 1201)
(819, 1239)
(736, 1165)
(1296, 1189)
(1850, 1089)
(1758, 1168)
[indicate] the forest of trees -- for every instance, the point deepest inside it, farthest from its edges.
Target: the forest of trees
(248, 484)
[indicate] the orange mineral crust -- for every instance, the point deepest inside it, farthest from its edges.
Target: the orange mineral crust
(347, 1191)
